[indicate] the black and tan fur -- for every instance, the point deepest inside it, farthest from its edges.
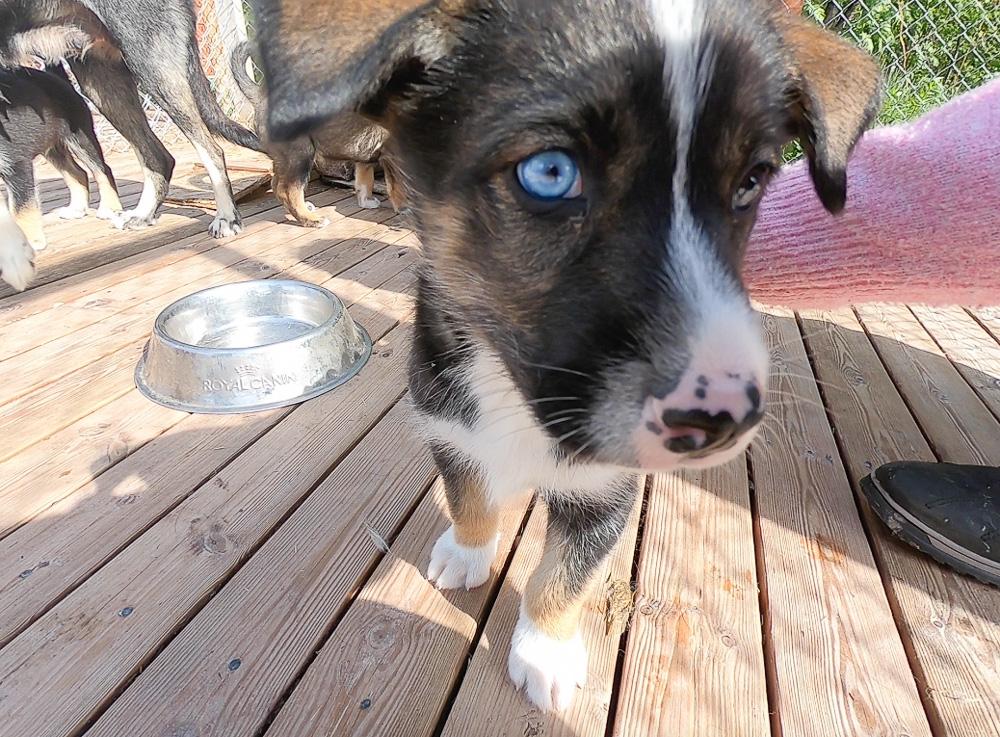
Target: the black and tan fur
(546, 330)
(114, 45)
(347, 137)
(42, 115)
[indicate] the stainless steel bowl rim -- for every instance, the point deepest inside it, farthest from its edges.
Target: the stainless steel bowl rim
(152, 395)
(162, 335)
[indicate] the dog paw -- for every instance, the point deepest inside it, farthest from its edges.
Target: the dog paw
(548, 670)
(314, 222)
(369, 203)
(454, 565)
(134, 220)
(106, 213)
(17, 263)
(223, 227)
(71, 213)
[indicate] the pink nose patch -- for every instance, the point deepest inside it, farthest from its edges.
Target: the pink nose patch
(702, 416)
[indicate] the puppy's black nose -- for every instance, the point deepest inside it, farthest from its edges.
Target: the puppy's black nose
(698, 431)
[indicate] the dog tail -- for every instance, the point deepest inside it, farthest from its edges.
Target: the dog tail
(45, 45)
(238, 66)
(211, 112)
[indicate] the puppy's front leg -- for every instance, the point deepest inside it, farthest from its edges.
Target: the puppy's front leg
(463, 555)
(547, 655)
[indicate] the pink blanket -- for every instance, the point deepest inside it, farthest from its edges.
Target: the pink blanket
(922, 222)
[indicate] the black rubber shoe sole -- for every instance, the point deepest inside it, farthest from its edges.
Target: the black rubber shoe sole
(913, 531)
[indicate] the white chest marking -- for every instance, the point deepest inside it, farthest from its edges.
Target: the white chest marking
(507, 443)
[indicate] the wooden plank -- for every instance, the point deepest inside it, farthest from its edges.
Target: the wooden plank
(350, 241)
(936, 393)
(71, 257)
(68, 427)
(838, 660)
(970, 348)
(69, 315)
(275, 612)
(944, 617)
(486, 688)
(71, 539)
(390, 664)
(62, 671)
(32, 480)
(16, 306)
(694, 663)
(989, 318)
(40, 414)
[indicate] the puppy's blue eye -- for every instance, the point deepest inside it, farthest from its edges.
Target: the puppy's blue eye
(550, 175)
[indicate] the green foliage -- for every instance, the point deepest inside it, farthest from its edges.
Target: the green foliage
(931, 50)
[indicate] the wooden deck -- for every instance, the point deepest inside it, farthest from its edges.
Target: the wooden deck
(172, 575)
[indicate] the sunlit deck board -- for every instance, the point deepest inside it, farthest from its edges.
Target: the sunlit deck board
(170, 574)
(944, 618)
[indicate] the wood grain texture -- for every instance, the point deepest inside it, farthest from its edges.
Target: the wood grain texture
(64, 668)
(958, 423)
(947, 619)
(390, 665)
(694, 663)
(37, 379)
(21, 305)
(347, 243)
(85, 448)
(969, 347)
(79, 533)
(224, 673)
(52, 468)
(487, 689)
(839, 665)
(256, 242)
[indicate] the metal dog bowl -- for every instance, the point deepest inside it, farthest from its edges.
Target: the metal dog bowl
(250, 346)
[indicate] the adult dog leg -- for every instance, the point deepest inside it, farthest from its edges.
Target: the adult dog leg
(87, 149)
(463, 555)
(364, 185)
(291, 175)
(76, 180)
(23, 199)
(547, 654)
(181, 108)
(111, 87)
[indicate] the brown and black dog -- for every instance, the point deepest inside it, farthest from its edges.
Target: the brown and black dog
(111, 47)
(42, 115)
(346, 137)
(584, 176)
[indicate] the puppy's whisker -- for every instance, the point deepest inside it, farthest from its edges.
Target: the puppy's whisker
(547, 367)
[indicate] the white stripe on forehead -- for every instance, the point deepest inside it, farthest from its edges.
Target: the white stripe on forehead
(714, 297)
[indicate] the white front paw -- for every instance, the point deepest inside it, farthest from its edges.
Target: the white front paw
(106, 213)
(369, 203)
(71, 213)
(453, 565)
(549, 670)
(17, 260)
(225, 227)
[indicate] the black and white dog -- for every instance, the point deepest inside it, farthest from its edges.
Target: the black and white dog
(584, 175)
(111, 45)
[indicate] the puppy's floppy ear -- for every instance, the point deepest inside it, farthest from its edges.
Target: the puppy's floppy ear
(834, 96)
(324, 57)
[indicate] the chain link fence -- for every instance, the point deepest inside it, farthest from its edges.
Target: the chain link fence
(931, 51)
(221, 26)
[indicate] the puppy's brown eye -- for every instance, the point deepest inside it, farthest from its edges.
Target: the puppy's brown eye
(752, 187)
